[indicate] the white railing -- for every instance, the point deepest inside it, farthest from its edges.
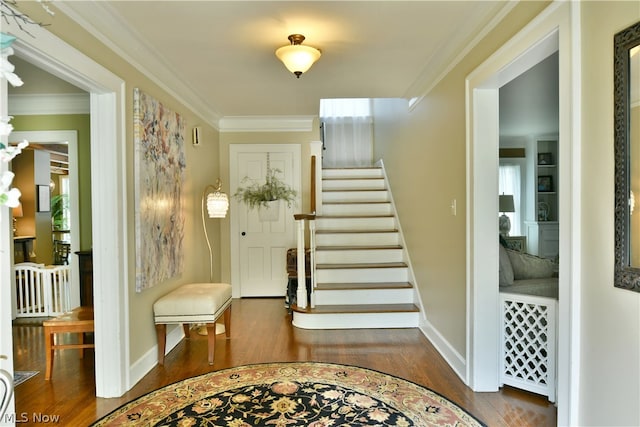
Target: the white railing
(302, 220)
(41, 290)
(528, 343)
(301, 295)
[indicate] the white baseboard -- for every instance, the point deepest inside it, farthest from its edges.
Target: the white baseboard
(450, 355)
(149, 360)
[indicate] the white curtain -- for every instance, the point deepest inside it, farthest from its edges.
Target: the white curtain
(348, 139)
(509, 183)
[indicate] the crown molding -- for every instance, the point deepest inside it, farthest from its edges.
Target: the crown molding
(266, 124)
(439, 66)
(55, 103)
(147, 60)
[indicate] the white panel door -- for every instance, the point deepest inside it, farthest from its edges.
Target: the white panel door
(259, 248)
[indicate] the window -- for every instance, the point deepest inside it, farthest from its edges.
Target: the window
(348, 139)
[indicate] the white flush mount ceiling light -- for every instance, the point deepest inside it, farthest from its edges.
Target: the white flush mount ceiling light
(296, 57)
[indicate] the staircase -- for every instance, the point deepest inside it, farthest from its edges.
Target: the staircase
(362, 279)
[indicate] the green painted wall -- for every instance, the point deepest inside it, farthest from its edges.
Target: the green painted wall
(81, 124)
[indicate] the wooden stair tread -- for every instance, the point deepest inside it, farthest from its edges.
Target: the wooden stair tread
(346, 168)
(361, 286)
(361, 265)
(346, 190)
(349, 178)
(355, 216)
(355, 309)
(331, 231)
(356, 248)
(357, 202)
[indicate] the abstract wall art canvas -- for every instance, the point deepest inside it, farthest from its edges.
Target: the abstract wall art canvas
(159, 172)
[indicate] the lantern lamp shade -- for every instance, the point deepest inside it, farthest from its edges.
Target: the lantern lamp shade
(217, 204)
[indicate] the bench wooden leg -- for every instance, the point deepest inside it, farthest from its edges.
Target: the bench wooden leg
(211, 338)
(48, 345)
(161, 332)
(227, 322)
(187, 331)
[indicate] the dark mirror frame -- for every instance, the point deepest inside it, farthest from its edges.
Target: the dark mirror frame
(625, 276)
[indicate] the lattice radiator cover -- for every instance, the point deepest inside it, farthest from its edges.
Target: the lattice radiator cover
(528, 343)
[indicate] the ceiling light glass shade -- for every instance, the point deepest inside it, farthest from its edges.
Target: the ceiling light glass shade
(217, 205)
(298, 58)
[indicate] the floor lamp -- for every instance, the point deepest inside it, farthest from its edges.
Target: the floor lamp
(217, 204)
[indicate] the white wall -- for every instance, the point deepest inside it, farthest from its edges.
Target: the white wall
(610, 353)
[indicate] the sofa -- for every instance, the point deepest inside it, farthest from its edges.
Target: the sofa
(522, 273)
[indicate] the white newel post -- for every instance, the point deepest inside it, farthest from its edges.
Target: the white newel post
(302, 282)
(312, 260)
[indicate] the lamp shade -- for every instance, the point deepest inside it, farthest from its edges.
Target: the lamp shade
(506, 203)
(296, 57)
(217, 204)
(17, 211)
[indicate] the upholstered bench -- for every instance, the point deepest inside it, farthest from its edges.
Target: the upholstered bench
(193, 303)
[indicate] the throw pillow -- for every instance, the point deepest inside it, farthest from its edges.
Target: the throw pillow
(505, 276)
(526, 266)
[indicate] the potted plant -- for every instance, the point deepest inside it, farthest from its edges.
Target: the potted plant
(266, 196)
(59, 203)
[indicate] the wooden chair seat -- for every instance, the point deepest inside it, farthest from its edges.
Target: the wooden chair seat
(79, 321)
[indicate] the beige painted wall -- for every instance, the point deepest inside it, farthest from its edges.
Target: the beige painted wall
(202, 168)
(424, 154)
(610, 321)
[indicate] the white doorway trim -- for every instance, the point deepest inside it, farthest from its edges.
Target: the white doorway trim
(560, 21)
(108, 187)
(71, 138)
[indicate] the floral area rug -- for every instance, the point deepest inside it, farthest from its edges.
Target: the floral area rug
(21, 376)
(291, 394)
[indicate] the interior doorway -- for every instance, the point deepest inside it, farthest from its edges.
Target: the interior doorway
(550, 32)
(70, 139)
(259, 247)
(109, 211)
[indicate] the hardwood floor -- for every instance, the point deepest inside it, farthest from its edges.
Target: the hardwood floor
(261, 331)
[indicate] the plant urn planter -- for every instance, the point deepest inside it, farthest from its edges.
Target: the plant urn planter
(270, 212)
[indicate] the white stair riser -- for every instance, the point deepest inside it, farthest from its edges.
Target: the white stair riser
(355, 196)
(355, 184)
(355, 320)
(363, 209)
(352, 173)
(362, 275)
(364, 296)
(373, 223)
(358, 256)
(357, 239)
